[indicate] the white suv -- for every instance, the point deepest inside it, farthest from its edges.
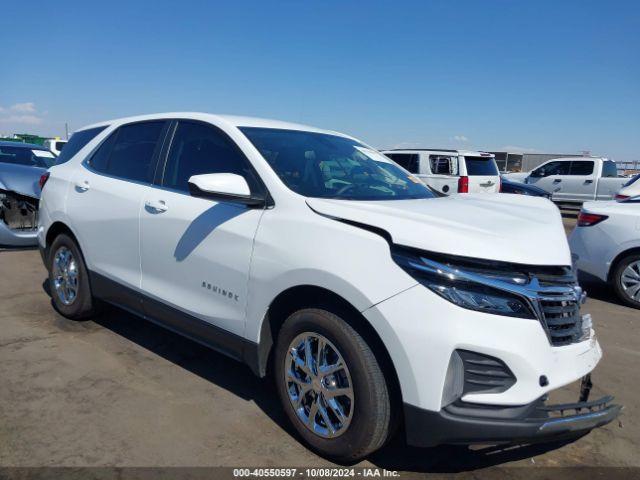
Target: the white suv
(308, 254)
(451, 171)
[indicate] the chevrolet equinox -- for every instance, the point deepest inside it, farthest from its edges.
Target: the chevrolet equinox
(314, 258)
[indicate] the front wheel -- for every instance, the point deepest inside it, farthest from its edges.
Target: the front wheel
(626, 280)
(331, 385)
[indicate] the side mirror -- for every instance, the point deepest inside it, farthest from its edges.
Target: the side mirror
(224, 186)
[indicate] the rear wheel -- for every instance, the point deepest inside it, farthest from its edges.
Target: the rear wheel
(69, 280)
(331, 385)
(626, 280)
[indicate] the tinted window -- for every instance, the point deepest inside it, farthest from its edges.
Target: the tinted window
(59, 145)
(76, 142)
(582, 167)
(553, 168)
(33, 157)
(330, 166)
(609, 169)
(198, 148)
(408, 161)
(479, 166)
(98, 160)
(129, 152)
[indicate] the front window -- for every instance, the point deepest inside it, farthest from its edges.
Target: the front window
(328, 166)
(33, 157)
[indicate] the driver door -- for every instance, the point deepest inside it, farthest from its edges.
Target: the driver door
(550, 177)
(195, 252)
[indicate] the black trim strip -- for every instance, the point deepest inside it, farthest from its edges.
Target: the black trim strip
(176, 320)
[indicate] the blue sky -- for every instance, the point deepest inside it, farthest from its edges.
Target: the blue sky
(550, 76)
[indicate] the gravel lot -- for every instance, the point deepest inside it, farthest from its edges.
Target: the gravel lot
(119, 391)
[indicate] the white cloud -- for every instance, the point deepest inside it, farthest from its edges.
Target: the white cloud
(27, 107)
(460, 138)
(20, 114)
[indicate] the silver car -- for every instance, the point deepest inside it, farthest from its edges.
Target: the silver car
(21, 167)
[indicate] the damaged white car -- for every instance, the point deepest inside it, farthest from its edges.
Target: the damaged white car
(22, 168)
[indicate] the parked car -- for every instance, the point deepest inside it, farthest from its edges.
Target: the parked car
(308, 254)
(451, 171)
(21, 167)
(574, 180)
(55, 145)
(630, 189)
(510, 186)
(606, 244)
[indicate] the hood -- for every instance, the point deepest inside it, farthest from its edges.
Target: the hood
(507, 228)
(21, 179)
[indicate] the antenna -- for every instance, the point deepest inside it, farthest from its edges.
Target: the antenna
(66, 130)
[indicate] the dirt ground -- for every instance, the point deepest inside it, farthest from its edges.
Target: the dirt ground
(120, 391)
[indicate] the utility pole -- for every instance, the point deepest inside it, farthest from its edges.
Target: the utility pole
(66, 130)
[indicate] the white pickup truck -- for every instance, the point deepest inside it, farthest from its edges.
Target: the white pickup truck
(451, 171)
(574, 179)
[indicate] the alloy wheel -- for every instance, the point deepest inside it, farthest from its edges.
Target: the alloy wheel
(630, 281)
(65, 275)
(319, 385)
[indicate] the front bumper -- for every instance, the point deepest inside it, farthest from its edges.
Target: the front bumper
(465, 423)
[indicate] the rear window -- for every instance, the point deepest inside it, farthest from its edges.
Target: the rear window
(581, 167)
(481, 166)
(129, 152)
(76, 142)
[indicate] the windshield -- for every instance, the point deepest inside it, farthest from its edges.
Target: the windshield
(33, 157)
(328, 166)
(632, 181)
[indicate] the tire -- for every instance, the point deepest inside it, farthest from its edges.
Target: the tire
(631, 262)
(369, 407)
(80, 305)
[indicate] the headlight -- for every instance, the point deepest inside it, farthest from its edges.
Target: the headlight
(470, 290)
(482, 299)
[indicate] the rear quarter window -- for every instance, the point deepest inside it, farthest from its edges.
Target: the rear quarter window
(77, 141)
(481, 166)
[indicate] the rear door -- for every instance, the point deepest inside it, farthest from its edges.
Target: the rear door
(483, 174)
(105, 199)
(580, 184)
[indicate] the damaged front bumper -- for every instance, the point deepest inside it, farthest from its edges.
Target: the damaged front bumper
(18, 219)
(466, 423)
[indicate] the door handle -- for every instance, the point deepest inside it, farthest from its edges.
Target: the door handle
(158, 206)
(586, 182)
(82, 186)
(557, 180)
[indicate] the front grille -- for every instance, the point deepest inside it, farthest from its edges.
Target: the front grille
(562, 319)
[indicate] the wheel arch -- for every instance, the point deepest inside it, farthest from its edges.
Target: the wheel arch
(56, 228)
(618, 258)
(311, 296)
